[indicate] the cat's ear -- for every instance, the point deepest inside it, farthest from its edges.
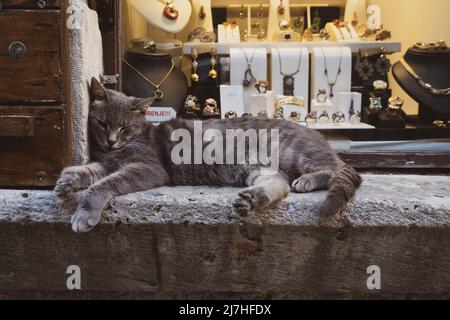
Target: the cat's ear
(98, 91)
(140, 105)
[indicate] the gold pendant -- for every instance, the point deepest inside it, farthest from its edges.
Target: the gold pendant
(170, 12)
(212, 74)
(195, 77)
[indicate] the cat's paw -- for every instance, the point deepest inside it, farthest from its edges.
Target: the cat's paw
(85, 220)
(304, 184)
(67, 185)
(250, 199)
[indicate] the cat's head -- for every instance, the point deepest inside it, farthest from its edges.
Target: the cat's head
(114, 118)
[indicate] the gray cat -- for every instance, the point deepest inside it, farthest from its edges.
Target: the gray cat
(131, 155)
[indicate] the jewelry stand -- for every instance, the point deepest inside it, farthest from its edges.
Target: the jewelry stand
(154, 14)
(345, 101)
(289, 108)
(320, 80)
(231, 100)
(196, 21)
(262, 102)
(322, 106)
(238, 66)
(155, 67)
(289, 64)
(356, 8)
(274, 17)
(228, 34)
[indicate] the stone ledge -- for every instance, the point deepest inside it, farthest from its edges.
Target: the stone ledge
(180, 241)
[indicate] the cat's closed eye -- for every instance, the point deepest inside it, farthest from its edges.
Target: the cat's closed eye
(102, 124)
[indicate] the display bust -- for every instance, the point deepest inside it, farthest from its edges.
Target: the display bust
(431, 64)
(168, 15)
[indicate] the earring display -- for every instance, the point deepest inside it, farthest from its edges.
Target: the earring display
(260, 13)
(365, 69)
(194, 76)
(383, 65)
(332, 83)
(317, 21)
(242, 12)
(213, 62)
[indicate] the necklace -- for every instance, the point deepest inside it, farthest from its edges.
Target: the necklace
(158, 94)
(169, 10)
(331, 84)
(426, 85)
(249, 78)
(288, 78)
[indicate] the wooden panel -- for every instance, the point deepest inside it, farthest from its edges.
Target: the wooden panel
(33, 161)
(16, 126)
(30, 3)
(109, 12)
(37, 76)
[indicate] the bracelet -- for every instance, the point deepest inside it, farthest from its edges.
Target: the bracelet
(289, 100)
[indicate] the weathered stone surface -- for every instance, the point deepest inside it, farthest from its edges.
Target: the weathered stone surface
(174, 241)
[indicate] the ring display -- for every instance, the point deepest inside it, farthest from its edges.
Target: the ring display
(311, 118)
(231, 115)
(262, 86)
(338, 117)
(295, 116)
(321, 95)
(324, 118)
(356, 118)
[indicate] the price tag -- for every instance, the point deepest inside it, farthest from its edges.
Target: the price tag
(157, 115)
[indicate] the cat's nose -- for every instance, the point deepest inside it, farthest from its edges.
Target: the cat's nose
(111, 142)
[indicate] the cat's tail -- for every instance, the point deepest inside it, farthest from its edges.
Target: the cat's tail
(342, 189)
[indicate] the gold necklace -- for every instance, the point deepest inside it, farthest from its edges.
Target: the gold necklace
(158, 94)
(425, 85)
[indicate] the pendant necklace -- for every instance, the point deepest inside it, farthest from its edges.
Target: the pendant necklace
(169, 10)
(249, 78)
(288, 79)
(158, 94)
(331, 84)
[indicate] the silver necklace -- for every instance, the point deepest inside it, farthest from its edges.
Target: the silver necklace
(288, 78)
(331, 84)
(249, 78)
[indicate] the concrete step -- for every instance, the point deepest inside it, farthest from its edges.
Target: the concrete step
(177, 242)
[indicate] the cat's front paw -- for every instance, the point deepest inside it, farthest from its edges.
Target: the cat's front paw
(85, 220)
(304, 184)
(67, 186)
(250, 199)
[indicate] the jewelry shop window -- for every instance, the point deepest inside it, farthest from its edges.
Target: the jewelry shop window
(373, 81)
